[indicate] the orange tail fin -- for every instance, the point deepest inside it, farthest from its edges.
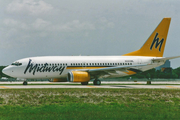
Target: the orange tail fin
(155, 44)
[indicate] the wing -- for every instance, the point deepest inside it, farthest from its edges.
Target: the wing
(106, 72)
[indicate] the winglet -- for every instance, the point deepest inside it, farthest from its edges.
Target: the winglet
(155, 44)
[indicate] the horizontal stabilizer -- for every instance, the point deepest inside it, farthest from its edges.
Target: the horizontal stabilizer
(164, 59)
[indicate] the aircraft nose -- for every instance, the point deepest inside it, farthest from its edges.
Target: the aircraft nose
(6, 71)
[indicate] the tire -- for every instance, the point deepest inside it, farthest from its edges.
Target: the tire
(25, 83)
(97, 82)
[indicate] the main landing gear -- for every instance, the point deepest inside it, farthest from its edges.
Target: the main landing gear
(97, 82)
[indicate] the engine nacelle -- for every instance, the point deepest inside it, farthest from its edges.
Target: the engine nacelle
(78, 76)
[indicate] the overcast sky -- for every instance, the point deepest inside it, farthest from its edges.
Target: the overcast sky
(83, 27)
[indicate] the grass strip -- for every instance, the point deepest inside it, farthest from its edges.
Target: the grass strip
(91, 111)
(89, 104)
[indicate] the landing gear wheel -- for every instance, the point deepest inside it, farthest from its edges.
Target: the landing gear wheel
(84, 83)
(25, 83)
(97, 82)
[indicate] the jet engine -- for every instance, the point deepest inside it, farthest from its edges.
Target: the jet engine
(78, 76)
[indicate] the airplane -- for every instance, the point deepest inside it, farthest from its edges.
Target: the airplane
(85, 68)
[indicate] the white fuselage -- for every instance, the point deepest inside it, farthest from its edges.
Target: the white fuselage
(58, 66)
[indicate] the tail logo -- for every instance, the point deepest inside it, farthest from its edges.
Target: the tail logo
(158, 43)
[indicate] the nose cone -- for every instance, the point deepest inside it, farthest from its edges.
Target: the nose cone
(6, 71)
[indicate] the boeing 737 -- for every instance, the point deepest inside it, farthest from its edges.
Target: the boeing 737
(85, 68)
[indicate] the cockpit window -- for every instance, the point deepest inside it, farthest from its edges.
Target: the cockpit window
(16, 64)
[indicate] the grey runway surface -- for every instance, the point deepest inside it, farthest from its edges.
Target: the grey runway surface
(120, 85)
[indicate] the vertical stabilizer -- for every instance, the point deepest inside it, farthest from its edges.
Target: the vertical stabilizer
(155, 44)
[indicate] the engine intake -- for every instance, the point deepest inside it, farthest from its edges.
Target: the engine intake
(78, 76)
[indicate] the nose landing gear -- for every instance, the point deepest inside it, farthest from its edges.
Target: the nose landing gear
(25, 82)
